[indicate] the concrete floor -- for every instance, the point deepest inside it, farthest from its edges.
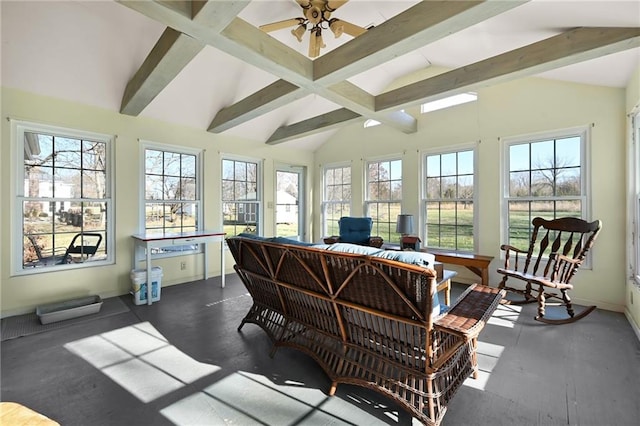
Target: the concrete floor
(181, 361)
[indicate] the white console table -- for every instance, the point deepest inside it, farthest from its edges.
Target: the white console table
(143, 244)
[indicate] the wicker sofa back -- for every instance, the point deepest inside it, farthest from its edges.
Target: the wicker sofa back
(366, 320)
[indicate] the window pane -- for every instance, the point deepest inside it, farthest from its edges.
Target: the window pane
(433, 187)
(542, 155)
(153, 162)
(67, 183)
(465, 162)
(433, 165)
(449, 164)
(94, 184)
(568, 152)
(568, 182)
(67, 153)
(542, 182)
(171, 165)
(465, 187)
(94, 156)
(519, 184)
(519, 157)
(188, 165)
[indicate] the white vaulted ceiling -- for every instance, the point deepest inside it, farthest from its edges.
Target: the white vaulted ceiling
(89, 52)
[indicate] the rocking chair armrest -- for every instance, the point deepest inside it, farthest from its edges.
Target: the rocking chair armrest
(557, 257)
(507, 247)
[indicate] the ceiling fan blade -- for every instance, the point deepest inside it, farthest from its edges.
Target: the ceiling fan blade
(304, 3)
(274, 26)
(351, 29)
(334, 4)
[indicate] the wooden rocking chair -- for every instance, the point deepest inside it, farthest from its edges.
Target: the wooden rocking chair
(562, 247)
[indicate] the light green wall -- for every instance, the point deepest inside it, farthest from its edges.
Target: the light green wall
(512, 109)
(632, 289)
(23, 293)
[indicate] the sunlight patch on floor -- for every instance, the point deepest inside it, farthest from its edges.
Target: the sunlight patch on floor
(141, 360)
(505, 316)
(488, 356)
(248, 398)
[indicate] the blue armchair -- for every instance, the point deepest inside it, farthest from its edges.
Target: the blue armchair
(355, 230)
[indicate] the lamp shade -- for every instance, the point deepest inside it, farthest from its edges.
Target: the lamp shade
(404, 225)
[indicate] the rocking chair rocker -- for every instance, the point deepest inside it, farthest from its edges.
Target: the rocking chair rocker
(564, 244)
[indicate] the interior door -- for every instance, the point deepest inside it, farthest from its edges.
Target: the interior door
(290, 202)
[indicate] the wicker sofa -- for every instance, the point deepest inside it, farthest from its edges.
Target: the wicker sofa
(366, 320)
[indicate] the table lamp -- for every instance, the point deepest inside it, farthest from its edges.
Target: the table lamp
(404, 226)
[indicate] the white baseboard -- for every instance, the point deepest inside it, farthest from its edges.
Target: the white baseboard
(634, 326)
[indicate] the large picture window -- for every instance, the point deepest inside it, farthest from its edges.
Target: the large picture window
(172, 200)
(64, 199)
(448, 205)
(384, 197)
(545, 176)
(241, 198)
(336, 197)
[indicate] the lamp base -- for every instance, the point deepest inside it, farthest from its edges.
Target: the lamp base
(410, 242)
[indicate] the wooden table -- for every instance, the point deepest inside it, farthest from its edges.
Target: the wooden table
(145, 242)
(476, 263)
(14, 414)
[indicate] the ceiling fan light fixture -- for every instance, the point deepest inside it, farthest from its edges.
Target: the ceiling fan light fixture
(315, 43)
(299, 32)
(336, 27)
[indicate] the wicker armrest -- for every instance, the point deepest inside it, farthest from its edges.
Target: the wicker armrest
(470, 312)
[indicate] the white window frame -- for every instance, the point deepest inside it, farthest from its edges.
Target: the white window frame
(423, 211)
(635, 170)
(585, 173)
(259, 187)
(18, 129)
(325, 203)
(368, 202)
(176, 149)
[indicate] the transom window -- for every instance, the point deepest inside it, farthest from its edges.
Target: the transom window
(384, 197)
(448, 205)
(336, 197)
(64, 198)
(545, 176)
(241, 198)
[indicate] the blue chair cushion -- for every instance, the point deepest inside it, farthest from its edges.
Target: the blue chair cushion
(355, 230)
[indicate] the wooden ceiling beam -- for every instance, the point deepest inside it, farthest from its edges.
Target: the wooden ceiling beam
(320, 123)
(574, 46)
(416, 27)
(171, 53)
(174, 50)
(275, 95)
(571, 47)
(420, 25)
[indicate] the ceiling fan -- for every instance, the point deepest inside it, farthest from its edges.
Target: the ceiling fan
(316, 17)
